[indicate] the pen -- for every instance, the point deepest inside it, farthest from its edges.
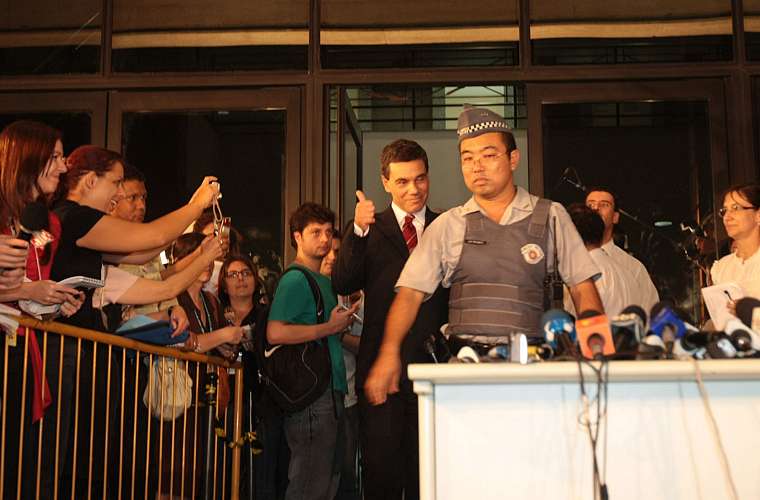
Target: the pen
(728, 295)
(354, 315)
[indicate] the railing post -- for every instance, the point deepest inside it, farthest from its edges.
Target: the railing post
(237, 426)
(210, 435)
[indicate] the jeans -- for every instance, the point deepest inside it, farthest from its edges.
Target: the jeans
(314, 436)
(349, 487)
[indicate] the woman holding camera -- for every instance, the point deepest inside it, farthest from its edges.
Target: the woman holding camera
(88, 236)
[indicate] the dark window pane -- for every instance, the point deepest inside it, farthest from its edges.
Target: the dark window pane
(366, 34)
(40, 38)
(752, 28)
(656, 156)
(244, 149)
(75, 127)
(419, 56)
(623, 32)
(206, 35)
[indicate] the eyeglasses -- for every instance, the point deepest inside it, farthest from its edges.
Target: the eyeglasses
(486, 159)
(596, 205)
(733, 209)
(132, 198)
(245, 273)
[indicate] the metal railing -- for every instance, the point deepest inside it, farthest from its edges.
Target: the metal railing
(96, 439)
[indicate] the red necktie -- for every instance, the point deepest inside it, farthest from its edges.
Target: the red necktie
(410, 233)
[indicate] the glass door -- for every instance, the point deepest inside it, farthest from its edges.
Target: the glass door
(661, 146)
(349, 155)
(249, 139)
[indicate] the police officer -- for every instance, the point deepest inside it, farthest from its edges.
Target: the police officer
(493, 252)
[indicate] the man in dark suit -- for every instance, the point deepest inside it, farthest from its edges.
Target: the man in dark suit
(375, 249)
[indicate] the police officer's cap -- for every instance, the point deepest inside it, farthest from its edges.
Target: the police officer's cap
(476, 121)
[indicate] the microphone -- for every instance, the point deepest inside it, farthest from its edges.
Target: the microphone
(515, 352)
(429, 347)
(627, 331)
(692, 345)
(559, 331)
(34, 218)
(468, 355)
(748, 311)
(594, 335)
(721, 347)
(742, 337)
(668, 324)
(651, 347)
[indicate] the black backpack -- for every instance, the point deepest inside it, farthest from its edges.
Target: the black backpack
(294, 375)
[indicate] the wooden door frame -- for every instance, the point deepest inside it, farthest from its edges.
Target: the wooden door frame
(92, 102)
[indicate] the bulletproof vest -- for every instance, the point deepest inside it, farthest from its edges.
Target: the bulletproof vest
(498, 285)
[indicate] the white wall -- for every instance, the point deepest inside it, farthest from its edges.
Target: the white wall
(446, 186)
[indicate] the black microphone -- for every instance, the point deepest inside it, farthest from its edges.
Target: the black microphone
(746, 340)
(748, 311)
(34, 218)
(693, 344)
(721, 347)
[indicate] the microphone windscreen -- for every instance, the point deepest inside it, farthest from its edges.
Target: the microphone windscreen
(555, 314)
(589, 313)
(659, 307)
(746, 311)
(34, 217)
(638, 311)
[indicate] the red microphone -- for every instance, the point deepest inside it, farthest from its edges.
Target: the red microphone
(594, 335)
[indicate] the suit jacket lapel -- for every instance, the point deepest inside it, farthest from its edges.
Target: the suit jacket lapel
(387, 224)
(430, 217)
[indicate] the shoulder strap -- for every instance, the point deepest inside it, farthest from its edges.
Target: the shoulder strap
(314, 291)
(540, 218)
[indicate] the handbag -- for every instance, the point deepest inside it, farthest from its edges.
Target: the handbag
(170, 391)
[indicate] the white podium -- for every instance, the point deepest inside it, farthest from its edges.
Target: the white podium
(495, 431)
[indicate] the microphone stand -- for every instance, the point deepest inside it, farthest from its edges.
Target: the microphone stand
(646, 228)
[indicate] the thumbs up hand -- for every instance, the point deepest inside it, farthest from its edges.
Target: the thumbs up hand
(364, 214)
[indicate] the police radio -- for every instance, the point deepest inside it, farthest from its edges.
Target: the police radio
(553, 284)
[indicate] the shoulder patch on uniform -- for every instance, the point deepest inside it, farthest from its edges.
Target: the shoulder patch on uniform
(532, 253)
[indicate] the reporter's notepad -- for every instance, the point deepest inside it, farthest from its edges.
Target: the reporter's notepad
(716, 299)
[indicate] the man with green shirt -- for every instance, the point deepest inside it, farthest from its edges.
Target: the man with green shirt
(312, 433)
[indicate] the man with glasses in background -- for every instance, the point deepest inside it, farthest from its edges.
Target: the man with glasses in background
(603, 201)
(493, 253)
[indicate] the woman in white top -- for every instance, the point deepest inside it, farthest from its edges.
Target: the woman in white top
(741, 217)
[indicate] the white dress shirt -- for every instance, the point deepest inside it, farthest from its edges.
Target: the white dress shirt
(644, 293)
(614, 286)
(418, 221)
(745, 273)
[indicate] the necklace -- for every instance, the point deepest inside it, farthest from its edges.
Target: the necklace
(207, 327)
